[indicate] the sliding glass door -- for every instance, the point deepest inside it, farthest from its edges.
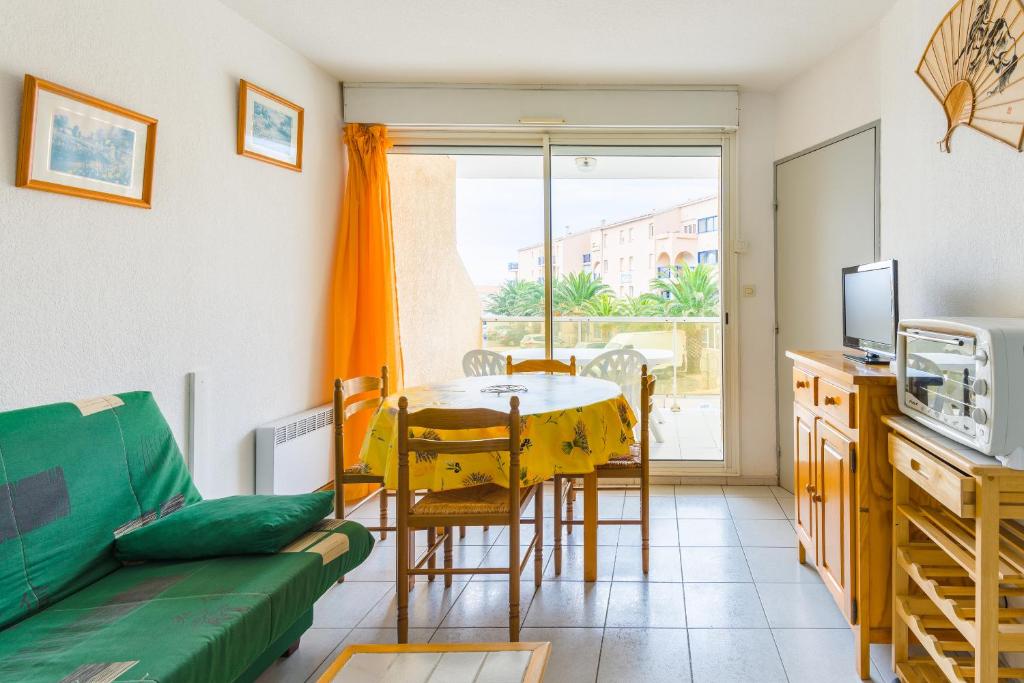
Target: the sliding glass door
(597, 251)
(635, 274)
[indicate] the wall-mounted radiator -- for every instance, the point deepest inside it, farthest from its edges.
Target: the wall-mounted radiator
(296, 454)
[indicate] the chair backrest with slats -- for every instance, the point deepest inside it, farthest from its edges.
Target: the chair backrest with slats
(481, 362)
(437, 420)
(541, 365)
(646, 403)
(349, 399)
(621, 366)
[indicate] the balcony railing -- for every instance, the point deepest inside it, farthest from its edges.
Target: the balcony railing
(689, 349)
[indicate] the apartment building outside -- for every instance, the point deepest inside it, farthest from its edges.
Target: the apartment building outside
(628, 254)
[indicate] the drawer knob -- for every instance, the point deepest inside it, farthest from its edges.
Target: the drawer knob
(802, 384)
(816, 497)
(809, 488)
(831, 400)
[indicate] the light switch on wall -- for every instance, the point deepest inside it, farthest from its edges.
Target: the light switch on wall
(749, 290)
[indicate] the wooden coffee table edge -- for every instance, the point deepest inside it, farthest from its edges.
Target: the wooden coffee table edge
(534, 670)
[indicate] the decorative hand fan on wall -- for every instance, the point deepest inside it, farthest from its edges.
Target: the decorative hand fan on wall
(971, 67)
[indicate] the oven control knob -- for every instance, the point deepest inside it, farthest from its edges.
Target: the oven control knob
(981, 355)
(979, 415)
(980, 387)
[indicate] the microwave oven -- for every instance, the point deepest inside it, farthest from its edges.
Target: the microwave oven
(964, 378)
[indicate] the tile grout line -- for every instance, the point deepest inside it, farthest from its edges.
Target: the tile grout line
(686, 615)
(328, 655)
(743, 550)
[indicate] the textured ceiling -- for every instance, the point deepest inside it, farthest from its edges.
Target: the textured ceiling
(756, 45)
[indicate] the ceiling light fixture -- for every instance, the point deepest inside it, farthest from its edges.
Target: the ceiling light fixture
(586, 164)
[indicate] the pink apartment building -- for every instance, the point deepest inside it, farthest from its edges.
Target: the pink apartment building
(628, 254)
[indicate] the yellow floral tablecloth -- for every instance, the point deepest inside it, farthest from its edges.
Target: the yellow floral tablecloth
(570, 424)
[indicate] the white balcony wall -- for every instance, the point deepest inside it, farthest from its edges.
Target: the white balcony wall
(438, 306)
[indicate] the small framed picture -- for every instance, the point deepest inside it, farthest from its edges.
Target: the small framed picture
(269, 127)
(75, 144)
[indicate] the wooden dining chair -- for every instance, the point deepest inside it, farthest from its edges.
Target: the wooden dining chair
(541, 365)
(346, 404)
(479, 505)
(562, 485)
(635, 465)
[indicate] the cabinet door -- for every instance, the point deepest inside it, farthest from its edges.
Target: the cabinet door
(835, 513)
(804, 478)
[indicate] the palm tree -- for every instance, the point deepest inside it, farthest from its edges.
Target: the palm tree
(643, 306)
(573, 290)
(601, 306)
(693, 293)
(517, 297)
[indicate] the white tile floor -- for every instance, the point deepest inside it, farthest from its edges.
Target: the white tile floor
(725, 600)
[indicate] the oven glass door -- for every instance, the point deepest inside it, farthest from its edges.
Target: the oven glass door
(940, 373)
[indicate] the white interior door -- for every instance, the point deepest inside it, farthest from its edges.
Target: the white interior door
(826, 219)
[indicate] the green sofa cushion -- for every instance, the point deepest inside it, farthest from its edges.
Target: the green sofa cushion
(237, 525)
(72, 476)
(205, 620)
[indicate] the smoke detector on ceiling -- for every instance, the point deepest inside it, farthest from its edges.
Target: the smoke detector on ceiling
(586, 164)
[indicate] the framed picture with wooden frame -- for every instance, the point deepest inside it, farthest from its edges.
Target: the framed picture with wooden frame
(269, 127)
(75, 144)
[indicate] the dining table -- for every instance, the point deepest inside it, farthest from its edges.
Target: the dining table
(570, 425)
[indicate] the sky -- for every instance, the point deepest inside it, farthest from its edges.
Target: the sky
(496, 216)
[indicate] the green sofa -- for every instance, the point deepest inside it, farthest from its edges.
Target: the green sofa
(73, 476)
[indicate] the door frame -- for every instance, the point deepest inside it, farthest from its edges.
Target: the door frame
(877, 126)
(543, 139)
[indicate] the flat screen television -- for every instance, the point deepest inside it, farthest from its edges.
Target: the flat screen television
(871, 311)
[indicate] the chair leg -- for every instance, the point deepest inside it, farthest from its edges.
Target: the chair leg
(432, 562)
(538, 528)
(570, 499)
(656, 431)
(462, 532)
(411, 542)
(383, 513)
(448, 555)
(558, 526)
(645, 524)
(339, 510)
(513, 589)
(402, 546)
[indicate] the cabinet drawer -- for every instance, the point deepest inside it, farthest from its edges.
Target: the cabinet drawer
(805, 387)
(839, 403)
(945, 484)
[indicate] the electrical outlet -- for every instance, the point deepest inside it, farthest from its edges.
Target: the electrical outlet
(749, 291)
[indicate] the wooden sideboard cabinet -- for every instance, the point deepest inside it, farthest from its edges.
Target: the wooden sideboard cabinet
(843, 487)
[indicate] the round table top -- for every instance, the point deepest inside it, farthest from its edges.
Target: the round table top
(544, 393)
(569, 425)
(585, 355)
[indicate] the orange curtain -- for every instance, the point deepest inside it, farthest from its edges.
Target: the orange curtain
(364, 305)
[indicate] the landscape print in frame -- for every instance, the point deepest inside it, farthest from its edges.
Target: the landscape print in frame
(75, 144)
(269, 127)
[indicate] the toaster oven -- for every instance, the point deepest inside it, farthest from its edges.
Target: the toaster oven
(964, 378)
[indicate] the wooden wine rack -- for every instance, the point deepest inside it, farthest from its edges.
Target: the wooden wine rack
(958, 560)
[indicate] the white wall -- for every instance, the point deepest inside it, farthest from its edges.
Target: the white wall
(227, 273)
(955, 221)
(837, 94)
(952, 220)
(756, 267)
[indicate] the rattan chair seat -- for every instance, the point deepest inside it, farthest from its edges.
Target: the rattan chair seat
(486, 499)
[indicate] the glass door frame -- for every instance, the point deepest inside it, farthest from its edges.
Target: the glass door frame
(431, 140)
